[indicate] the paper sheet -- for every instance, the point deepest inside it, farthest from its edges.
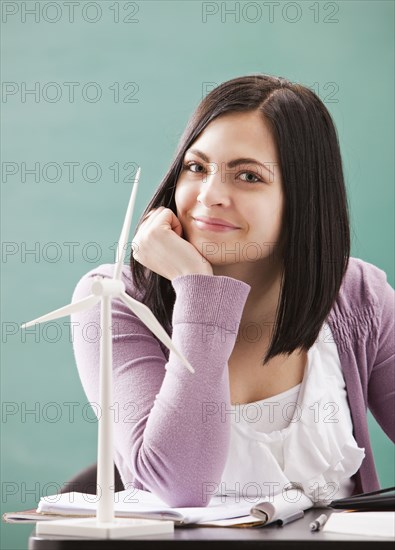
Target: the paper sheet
(377, 524)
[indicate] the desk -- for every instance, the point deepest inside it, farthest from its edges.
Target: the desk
(294, 536)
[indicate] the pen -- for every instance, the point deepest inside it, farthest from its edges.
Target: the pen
(292, 517)
(318, 523)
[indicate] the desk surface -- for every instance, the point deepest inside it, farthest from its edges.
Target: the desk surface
(295, 535)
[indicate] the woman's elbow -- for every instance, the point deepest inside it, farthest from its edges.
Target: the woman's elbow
(186, 497)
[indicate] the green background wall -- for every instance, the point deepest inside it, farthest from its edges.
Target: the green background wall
(139, 70)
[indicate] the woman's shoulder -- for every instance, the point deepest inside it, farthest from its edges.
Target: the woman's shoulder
(83, 285)
(364, 286)
(362, 277)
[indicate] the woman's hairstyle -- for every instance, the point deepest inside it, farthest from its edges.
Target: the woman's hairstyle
(315, 232)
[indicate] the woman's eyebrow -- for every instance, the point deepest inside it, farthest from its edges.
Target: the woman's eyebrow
(234, 162)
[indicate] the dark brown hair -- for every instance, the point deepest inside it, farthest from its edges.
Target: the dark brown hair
(316, 233)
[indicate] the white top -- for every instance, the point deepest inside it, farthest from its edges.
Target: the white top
(303, 435)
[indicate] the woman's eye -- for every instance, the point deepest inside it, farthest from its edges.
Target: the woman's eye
(188, 165)
(255, 179)
(253, 175)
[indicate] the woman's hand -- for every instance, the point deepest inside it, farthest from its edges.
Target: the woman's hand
(159, 246)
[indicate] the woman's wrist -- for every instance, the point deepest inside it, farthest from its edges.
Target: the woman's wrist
(201, 270)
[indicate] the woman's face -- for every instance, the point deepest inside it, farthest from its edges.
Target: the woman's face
(246, 194)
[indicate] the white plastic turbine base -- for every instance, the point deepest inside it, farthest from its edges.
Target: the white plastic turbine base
(120, 528)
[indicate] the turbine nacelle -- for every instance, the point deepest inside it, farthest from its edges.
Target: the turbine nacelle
(103, 286)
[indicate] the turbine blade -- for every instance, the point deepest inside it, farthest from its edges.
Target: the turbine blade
(123, 239)
(85, 303)
(149, 319)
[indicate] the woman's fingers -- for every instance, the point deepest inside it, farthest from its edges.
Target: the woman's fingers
(152, 212)
(167, 219)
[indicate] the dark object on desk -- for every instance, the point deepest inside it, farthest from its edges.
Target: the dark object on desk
(384, 499)
(86, 481)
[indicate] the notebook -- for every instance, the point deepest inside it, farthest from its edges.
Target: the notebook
(222, 511)
(383, 499)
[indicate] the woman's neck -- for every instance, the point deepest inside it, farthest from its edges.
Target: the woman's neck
(264, 277)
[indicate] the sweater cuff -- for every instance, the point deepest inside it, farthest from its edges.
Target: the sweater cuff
(209, 299)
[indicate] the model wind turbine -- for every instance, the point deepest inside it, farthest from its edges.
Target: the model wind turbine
(105, 525)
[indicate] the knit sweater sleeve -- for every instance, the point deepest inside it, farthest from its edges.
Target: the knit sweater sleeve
(381, 385)
(172, 432)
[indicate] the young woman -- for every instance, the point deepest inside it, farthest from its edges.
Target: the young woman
(243, 256)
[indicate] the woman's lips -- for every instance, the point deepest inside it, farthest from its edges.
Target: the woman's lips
(213, 227)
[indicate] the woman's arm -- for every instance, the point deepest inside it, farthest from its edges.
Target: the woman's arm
(172, 428)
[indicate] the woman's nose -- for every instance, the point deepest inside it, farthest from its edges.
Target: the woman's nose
(214, 189)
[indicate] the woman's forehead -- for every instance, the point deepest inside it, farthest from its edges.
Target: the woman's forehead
(236, 135)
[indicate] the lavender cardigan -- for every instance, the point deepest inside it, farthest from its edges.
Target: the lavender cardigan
(171, 434)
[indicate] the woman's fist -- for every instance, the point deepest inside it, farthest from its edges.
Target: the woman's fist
(159, 246)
